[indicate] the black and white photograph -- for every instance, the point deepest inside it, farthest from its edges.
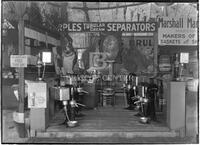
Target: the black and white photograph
(99, 72)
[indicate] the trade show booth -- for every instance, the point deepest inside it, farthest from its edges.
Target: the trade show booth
(104, 69)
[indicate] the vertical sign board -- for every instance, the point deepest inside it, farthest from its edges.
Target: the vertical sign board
(177, 31)
(18, 60)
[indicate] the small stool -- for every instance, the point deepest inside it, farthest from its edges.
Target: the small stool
(100, 98)
(108, 99)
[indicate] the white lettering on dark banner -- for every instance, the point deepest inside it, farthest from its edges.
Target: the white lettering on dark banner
(108, 27)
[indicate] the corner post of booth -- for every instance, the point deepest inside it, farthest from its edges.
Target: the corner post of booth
(21, 70)
(21, 9)
(155, 35)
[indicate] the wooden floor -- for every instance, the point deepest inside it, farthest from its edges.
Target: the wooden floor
(107, 122)
(106, 119)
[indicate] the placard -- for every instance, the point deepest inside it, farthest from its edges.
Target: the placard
(18, 60)
(139, 27)
(37, 95)
(46, 57)
(184, 57)
(173, 36)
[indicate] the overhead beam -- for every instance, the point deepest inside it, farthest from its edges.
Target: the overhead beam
(103, 8)
(33, 34)
(114, 7)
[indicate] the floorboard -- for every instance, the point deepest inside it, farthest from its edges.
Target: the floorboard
(107, 119)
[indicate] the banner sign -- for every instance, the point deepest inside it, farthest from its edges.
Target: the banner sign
(138, 27)
(177, 31)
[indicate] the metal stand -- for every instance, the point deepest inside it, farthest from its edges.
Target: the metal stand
(131, 91)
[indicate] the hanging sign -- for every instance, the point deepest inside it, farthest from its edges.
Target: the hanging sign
(18, 60)
(177, 31)
(139, 27)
